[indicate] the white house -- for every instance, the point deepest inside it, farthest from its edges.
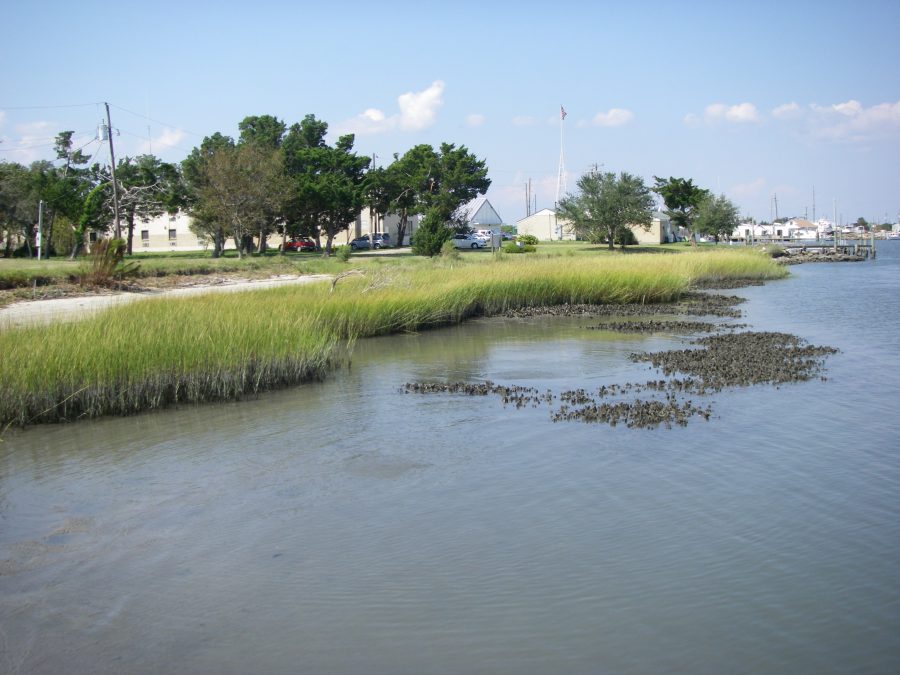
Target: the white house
(480, 214)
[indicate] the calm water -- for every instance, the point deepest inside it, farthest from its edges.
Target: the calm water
(346, 527)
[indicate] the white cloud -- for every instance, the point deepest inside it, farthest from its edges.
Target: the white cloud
(616, 117)
(475, 120)
(169, 138)
(743, 112)
(417, 111)
(851, 121)
(721, 112)
(751, 189)
(524, 121)
(2, 117)
(787, 111)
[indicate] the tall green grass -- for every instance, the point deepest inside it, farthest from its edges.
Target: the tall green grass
(154, 353)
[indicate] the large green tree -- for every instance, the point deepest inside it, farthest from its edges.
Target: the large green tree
(204, 219)
(446, 180)
(243, 188)
(17, 207)
(682, 199)
(265, 130)
(717, 217)
(327, 181)
(606, 206)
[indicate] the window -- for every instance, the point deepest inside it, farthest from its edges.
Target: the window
(173, 234)
(145, 235)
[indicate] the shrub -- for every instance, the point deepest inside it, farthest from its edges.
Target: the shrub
(512, 247)
(431, 234)
(527, 239)
(342, 253)
(448, 250)
(106, 265)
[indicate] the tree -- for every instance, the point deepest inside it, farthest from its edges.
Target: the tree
(74, 158)
(264, 130)
(148, 187)
(399, 187)
(606, 206)
(717, 217)
(327, 182)
(17, 208)
(446, 180)
(194, 167)
(243, 187)
(682, 199)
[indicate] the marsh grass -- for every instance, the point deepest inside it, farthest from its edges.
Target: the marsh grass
(160, 352)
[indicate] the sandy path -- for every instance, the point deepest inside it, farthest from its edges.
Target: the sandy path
(42, 312)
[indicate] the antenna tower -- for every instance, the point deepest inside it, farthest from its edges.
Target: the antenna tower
(561, 187)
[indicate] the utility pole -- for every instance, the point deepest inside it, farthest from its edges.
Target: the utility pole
(112, 166)
(40, 233)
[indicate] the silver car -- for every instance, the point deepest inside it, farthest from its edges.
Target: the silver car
(467, 241)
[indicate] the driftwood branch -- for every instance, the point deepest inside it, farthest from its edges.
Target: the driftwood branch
(344, 275)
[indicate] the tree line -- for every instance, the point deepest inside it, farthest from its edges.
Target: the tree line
(607, 206)
(272, 179)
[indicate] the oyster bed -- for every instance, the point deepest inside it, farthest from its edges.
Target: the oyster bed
(726, 359)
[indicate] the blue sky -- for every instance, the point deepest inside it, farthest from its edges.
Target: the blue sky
(751, 99)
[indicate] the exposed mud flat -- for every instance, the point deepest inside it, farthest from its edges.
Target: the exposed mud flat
(726, 359)
(691, 304)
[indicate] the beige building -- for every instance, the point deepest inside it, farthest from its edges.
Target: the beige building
(546, 226)
(173, 233)
(660, 232)
(167, 233)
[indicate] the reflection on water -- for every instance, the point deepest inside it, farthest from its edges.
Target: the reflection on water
(348, 527)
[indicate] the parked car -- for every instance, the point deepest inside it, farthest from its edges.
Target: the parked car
(301, 244)
(379, 240)
(467, 241)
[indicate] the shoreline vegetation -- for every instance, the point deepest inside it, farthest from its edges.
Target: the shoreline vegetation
(162, 352)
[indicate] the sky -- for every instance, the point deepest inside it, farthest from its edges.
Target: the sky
(794, 103)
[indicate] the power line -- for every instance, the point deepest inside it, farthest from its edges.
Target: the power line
(146, 117)
(46, 107)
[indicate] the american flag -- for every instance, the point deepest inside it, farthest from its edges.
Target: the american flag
(562, 113)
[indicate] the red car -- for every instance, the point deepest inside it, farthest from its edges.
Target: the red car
(301, 244)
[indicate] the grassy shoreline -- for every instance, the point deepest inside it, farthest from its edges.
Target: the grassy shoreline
(190, 350)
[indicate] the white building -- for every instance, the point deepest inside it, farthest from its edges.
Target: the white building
(480, 214)
(167, 233)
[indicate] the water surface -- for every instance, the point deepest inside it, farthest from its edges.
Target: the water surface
(349, 527)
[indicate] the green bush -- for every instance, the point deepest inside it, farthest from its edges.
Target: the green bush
(342, 253)
(511, 247)
(431, 234)
(448, 250)
(527, 239)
